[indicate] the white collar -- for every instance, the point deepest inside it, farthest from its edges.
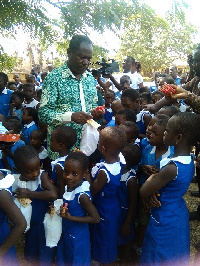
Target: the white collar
(180, 159)
(60, 159)
(4, 91)
(70, 195)
(166, 154)
(29, 125)
(7, 181)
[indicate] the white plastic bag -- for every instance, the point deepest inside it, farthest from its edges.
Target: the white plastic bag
(89, 139)
(53, 225)
(26, 211)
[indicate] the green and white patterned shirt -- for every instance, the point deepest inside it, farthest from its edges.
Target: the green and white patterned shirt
(64, 94)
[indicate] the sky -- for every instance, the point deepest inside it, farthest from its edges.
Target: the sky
(109, 40)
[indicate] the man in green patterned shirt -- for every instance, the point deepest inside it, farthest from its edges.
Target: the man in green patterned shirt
(69, 92)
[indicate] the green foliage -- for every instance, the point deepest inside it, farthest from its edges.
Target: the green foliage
(28, 14)
(156, 41)
(57, 62)
(77, 16)
(7, 63)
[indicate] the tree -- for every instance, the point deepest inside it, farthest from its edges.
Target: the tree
(7, 63)
(156, 41)
(77, 16)
(30, 15)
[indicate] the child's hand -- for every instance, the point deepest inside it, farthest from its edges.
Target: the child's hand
(153, 200)
(22, 193)
(64, 212)
(125, 229)
(149, 169)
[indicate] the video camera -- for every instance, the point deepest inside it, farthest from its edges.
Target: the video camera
(107, 68)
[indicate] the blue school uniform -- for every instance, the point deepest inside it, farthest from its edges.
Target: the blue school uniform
(104, 234)
(108, 114)
(27, 129)
(149, 158)
(17, 112)
(143, 143)
(10, 258)
(167, 238)
(35, 242)
(74, 245)
(124, 203)
(13, 149)
(5, 96)
(140, 121)
(60, 161)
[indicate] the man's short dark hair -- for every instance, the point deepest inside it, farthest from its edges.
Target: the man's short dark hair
(76, 41)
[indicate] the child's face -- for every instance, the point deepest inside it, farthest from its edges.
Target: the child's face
(54, 144)
(28, 93)
(143, 103)
(73, 173)
(161, 82)
(35, 140)
(30, 169)
(157, 134)
(126, 84)
(16, 101)
(119, 119)
(169, 134)
(13, 87)
(128, 104)
(109, 98)
(25, 116)
(149, 127)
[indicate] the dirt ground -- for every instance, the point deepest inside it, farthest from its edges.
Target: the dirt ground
(192, 204)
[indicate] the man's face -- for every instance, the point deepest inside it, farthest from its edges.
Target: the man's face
(173, 72)
(196, 63)
(16, 78)
(79, 60)
(127, 64)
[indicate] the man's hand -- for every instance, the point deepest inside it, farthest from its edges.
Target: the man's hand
(80, 117)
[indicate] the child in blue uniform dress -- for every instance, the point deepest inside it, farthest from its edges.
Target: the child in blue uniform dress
(5, 95)
(145, 141)
(29, 120)
(74, 245)
(40, 190)
(150, 164)
(109, 98)
(128, 201)
(106, 182)
(16, 104)
(8, 236)
(167, 238)
(62, 140)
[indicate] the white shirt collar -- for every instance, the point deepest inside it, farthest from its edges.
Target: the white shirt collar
(4, 91)
(29, 125)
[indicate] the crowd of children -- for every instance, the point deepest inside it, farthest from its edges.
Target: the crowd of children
(123, 203)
